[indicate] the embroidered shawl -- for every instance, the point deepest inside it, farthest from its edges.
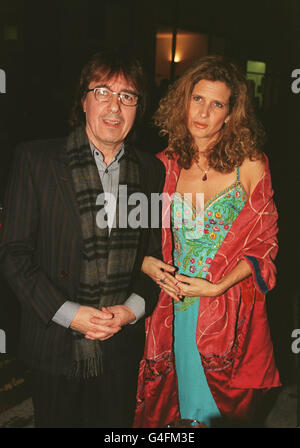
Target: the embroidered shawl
(233, 335)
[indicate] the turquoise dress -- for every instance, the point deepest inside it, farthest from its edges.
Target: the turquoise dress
(196, 241)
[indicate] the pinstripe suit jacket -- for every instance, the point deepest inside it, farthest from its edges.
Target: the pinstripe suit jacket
(41, 248)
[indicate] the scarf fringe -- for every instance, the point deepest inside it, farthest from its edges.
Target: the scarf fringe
(87, 368)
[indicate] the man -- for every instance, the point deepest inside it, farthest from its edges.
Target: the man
(79, 282)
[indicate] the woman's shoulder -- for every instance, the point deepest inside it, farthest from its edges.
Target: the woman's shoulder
(251, 171)
(255, 166)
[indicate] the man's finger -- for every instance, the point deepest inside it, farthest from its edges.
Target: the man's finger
(89, 337)
(103, 314)
(100, 321)
(102, 334)
(104, 319)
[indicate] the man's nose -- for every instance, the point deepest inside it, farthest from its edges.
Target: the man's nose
(114, 103)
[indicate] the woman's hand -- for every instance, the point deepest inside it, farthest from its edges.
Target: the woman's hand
(161, 273)
(197, 287)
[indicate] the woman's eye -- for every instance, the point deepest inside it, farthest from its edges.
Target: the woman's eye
(197, 98)
(219, 105)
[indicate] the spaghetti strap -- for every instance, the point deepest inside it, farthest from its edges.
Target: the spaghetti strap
(238, 173)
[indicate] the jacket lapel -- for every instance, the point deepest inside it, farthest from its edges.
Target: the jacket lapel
(62, 175)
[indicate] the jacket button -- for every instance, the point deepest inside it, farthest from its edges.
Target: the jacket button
(63, 274)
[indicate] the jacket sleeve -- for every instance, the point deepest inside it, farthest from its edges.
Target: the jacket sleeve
(18, 240)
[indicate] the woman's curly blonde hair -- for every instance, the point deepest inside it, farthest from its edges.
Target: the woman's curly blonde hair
(243, 136)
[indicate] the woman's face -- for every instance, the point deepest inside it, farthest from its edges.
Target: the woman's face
(208, 111)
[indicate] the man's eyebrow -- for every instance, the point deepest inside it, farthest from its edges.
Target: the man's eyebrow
(130, 91)
(101, 85)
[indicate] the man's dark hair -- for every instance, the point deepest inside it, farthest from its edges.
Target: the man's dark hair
(103, 66)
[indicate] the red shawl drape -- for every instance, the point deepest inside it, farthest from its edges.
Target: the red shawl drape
(233, 335)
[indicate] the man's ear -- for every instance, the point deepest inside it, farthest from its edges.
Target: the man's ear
(83, 103)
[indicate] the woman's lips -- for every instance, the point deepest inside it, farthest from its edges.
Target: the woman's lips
(200, 125)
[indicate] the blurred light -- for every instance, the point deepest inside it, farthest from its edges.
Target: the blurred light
(189, 46)
(256, 67)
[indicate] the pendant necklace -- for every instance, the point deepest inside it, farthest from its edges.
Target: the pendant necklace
(204, 178)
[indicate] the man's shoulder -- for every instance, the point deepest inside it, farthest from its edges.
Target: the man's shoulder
(147, 159)
(42, 148)
(152, 170)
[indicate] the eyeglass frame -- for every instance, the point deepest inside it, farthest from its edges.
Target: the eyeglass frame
(112, 92)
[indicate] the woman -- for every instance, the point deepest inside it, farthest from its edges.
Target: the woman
(217, 335)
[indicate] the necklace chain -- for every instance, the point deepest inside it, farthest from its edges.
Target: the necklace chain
(203, 171)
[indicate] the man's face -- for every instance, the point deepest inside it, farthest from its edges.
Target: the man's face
(108, 123)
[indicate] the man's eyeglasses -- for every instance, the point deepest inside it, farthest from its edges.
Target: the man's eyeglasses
(103, 94)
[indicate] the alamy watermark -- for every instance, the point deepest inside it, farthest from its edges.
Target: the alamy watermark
(133, 211)
(2, 81)
(295, 87)
(296, 342)
(296, 84)
(2, 341)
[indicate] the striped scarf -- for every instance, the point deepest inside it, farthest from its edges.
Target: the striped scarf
(107, 261)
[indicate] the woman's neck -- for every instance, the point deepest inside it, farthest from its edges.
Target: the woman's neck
(202, 157)
(204, 144)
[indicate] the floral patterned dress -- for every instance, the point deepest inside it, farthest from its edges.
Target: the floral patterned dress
(197, 237)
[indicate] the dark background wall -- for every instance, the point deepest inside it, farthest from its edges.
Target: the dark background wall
(53, 40)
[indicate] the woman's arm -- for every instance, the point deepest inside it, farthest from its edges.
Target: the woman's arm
(182, 285)
(197, 287)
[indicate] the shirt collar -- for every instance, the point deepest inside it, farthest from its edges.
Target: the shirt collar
(115, 159)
